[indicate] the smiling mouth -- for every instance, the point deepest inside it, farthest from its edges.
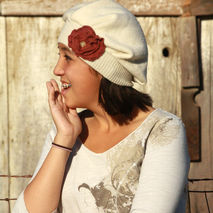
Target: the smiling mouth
(66, 86)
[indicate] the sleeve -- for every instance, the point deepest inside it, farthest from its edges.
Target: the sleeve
(164, 171)
(20, 206)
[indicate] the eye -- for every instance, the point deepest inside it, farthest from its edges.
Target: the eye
(68, 58)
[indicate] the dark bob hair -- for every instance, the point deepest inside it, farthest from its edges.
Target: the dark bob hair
(122, 100)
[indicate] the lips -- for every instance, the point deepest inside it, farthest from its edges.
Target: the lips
(65, 87)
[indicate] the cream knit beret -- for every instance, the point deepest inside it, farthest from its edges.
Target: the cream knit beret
(124, 61)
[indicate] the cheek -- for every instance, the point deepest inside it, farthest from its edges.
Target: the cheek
(89, 86)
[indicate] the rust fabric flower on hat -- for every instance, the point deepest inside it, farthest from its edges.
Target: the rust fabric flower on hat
(86, 44)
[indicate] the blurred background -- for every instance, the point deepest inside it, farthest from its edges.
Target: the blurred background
(179, 34)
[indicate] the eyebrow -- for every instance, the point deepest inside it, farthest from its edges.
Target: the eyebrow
(65, 49)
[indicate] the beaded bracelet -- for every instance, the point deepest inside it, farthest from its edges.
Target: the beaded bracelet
(62, 147)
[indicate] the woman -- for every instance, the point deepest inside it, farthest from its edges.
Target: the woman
(121, 154)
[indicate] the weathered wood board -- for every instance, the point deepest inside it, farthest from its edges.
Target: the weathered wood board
(3, 120)
(204, 169)
(188, 45)
(205, 185)
(137, 7)
(199, 203)
(16, 186)
(31, 55)
(58, 7)
(190, 81)
(4, 207)
(201, 7)
(154, 7)
(164, 66)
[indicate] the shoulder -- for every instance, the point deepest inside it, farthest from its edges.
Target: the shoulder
(167, 127)
(167, 119)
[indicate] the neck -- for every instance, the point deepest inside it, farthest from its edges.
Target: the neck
(107, 122)
(103, 120)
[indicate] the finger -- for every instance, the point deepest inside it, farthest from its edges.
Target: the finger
(51, 93)
(65, 108)
(56, 87)
(73, 111)
(47, 85)
(55, 84)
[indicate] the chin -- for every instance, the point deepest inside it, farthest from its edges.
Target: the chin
(72, 105)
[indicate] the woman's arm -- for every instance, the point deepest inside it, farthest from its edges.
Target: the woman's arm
(43, 192)
(164, 170)
(20, 206)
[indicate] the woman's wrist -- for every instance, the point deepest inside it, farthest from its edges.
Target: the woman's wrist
(61, 147)
(64, 140)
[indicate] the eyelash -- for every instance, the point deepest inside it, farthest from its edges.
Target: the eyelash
(68, 58)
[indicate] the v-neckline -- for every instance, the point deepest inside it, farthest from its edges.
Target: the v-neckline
(122, 140)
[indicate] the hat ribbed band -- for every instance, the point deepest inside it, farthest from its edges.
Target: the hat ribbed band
(110, 68)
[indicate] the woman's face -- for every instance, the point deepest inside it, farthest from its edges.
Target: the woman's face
(81, 81)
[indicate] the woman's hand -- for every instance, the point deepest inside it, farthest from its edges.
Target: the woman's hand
(67, 121)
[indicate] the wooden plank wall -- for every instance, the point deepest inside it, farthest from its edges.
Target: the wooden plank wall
(138, 7)
(50, 7)
(4, 151)
(29, 53)
(164, 70)
(29, 67)
(190, 81)
(204, 169)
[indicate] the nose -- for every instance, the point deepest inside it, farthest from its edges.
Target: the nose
(58, 70)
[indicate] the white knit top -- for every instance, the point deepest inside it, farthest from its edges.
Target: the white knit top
(145, 172)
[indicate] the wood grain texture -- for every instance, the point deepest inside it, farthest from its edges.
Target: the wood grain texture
(191, 119)
(188, 45)
(164, 65)
(137, 7)
(58, 7)
(205, 185)
(201, 7)
(3, 120)
(199, 203)
(4, 207)
(204, 169)
(31, 55)
(154, 7)
(17, 185)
